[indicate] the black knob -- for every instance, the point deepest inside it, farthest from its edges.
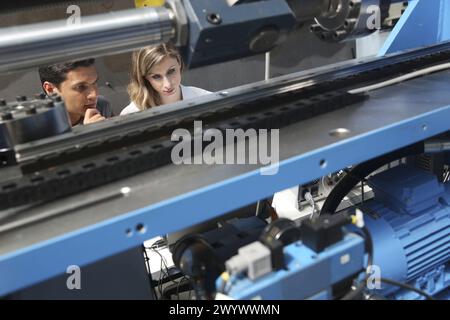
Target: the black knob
(40, 96)
(21, 98)
(31, 110)
(58, 98)
(283, 230)
(50, 104)
(2, 102)
(7, 116)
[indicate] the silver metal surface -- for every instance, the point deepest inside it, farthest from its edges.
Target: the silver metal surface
(50, 42)
(385, 108)
(437, 146)
(352, 19)
(46, 122)
(182, 30)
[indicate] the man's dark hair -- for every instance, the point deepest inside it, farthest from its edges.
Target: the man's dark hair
(56, 73)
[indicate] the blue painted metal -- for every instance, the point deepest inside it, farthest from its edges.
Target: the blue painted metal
(435, 281)
(308, 275)
(44, 260)
(87, 245)
(409, 219)
(409, 224)
(424, 23)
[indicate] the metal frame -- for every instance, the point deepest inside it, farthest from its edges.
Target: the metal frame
(44, 260)
(424, 23)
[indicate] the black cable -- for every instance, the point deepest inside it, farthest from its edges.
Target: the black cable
(159, 244)
(147, 262)
(163, 261)
(165, 273)
(368, 246)
(175, 289)
(359, 172)
(178, 286)
(352, 294)
(346, 184)
(161, 273)
(407, 287)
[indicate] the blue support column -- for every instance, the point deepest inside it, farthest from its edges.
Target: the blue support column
(424, 23)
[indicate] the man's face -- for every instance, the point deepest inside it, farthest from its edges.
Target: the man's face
(79, 91)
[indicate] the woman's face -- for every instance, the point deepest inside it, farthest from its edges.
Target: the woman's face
(165, 78)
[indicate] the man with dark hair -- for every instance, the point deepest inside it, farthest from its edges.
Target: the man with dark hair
(76, 83)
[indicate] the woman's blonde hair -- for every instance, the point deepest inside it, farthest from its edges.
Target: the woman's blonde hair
(140, 90)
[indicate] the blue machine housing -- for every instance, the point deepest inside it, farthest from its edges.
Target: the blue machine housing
(409, 222)
(308, 275)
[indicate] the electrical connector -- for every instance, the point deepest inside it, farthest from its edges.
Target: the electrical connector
(255, 259)
(358, 219)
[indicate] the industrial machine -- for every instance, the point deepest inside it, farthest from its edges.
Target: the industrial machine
(405, 235)
(78, 196)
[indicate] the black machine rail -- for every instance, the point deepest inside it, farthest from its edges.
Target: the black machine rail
(303, 86)
(97, 160)
(74, 176)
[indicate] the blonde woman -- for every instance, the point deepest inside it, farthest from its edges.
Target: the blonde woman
(156, 79)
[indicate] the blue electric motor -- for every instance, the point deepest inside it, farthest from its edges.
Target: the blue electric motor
(409, 222)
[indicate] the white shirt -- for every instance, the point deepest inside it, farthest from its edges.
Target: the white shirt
(187, 93)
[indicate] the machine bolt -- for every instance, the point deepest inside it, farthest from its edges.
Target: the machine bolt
(7, 116)
(40, 96)
(31, 110)
(214, 18)
(264, 40)
(50, 104)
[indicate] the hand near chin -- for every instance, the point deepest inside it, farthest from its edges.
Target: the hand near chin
(92, 115)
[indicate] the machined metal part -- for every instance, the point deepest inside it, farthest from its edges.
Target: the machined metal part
(351, 19)
(102, 34)
(25, 120)
(181, 31)
(218, 32)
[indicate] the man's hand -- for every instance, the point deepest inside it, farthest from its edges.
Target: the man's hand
(92, 115)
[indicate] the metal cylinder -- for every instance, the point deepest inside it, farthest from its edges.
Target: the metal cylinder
(96, 35)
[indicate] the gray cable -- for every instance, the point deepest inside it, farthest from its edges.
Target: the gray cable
(404, 77)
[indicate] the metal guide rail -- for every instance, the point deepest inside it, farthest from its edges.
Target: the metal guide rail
(95, 160)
